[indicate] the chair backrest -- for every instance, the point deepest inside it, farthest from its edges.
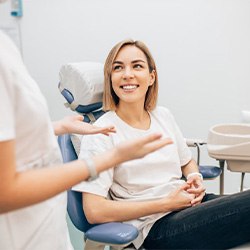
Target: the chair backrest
(81, 84)
(74, 203)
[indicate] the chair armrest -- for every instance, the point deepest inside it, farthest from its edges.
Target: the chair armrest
(112, 233)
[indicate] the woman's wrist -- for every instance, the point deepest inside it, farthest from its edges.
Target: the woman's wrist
(194, 174)
(116, 156)
(106, 160)
(164, 205)
(56, 127)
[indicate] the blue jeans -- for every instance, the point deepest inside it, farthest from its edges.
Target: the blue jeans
(219, 222)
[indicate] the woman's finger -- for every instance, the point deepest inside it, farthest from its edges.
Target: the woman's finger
(150, 138)
(104, 130)
(196, 190)
(79, 117)
(198, 199)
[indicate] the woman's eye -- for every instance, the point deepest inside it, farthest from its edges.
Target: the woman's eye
(117, 67)
(137, 66)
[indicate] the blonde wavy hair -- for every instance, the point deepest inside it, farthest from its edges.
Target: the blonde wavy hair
(110, 99)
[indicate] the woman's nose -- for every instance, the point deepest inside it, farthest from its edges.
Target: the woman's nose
(128, 73)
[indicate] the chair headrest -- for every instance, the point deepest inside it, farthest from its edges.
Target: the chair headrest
(81, 84)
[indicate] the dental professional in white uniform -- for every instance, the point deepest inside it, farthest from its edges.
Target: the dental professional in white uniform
(32, 176)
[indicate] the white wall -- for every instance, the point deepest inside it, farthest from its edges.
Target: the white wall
(201, 48)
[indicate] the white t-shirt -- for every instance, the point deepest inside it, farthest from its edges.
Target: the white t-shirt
(152, 177)
(25, 119)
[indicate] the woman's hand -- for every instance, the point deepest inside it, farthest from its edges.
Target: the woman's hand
(75, 124)
(178, 199)
(138, 148)
(196, 188)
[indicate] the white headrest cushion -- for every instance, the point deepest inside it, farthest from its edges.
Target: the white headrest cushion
(84, 80)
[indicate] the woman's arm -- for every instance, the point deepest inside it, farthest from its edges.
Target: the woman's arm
(190, 167)
(75, 124)
(100, 210)
(20, 189)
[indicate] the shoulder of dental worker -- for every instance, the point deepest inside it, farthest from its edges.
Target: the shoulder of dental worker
(9, 53)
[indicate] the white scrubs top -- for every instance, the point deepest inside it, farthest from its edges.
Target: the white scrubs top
(24, 118)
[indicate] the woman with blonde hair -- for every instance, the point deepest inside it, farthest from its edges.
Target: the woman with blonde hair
(169, 212)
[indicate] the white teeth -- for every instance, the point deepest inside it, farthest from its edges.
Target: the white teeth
(129, 87)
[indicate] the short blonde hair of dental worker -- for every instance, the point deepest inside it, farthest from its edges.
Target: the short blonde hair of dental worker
(110, 99)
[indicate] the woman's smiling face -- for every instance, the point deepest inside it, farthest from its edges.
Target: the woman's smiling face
(130, 75)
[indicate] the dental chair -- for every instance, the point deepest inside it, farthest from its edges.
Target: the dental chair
(89, 76)
(81, 84)
(96, 236)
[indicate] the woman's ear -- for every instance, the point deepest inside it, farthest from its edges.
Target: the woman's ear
(152, 78)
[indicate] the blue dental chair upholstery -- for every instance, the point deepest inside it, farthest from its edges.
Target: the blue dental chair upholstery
(114, 233)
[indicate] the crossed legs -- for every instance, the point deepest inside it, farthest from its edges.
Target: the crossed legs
(219, 222)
